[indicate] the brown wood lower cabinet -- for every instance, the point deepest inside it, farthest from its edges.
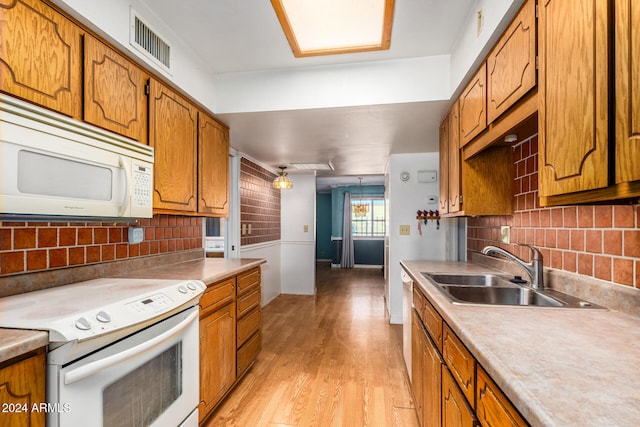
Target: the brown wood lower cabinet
(456, 411)
(22, 384)
(230, 336)
(449, 387)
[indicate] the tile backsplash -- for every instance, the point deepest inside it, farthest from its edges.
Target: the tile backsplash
(27, 247)
(599, 241)
(259, 204)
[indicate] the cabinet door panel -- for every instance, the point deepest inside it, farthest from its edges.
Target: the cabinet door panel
(432, 383)
(511, 65)
(213, 167)
(573, 111)
(248, 353)
(114, 91)
(473, 106)
(417, 365)
(455, 191)
(455, 409)
(493, 408)
(173, 134)
(40, 56)
(444, 166)
(23, 383)
(217, 357)
(627, 90)
(461, 363)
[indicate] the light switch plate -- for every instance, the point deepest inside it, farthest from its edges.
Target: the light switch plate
(136, 235)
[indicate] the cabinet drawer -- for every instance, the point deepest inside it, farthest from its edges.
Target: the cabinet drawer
(218, 294)
(433, 323)
(418, 301)
(248, 353)
(248, 302)
(248, 325)
(493, 407)
(460, 362)
(455, 409)
(248, 281)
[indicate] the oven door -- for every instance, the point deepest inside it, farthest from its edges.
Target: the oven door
(147, 379)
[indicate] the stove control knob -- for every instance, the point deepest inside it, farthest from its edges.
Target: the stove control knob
(83, 324)
(182, 289)
(103, 317)
(192, 286)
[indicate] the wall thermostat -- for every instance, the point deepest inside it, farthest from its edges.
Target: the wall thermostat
(427, 176)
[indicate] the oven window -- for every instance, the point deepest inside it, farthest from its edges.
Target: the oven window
(143, 394)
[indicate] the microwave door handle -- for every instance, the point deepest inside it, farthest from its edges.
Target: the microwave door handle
(92, 368)
(127, 190)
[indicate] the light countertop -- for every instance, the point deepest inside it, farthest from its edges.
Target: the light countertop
(559, 367)
(16, 342)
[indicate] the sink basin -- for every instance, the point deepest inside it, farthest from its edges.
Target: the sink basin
(495, 289)
(483, 280)
(500, 296)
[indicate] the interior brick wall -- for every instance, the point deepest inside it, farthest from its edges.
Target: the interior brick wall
(259, 204)
(36, 246)
(601, 241)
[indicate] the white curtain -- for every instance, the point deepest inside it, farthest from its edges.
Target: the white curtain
(346, 261)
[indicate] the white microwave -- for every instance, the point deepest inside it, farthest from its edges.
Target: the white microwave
(54, 166)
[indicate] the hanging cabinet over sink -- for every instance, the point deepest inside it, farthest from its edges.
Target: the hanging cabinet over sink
(589, 136)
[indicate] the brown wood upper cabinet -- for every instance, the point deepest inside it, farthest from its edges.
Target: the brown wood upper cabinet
(450, 163)
(573, 109)
(627, 60)
(473, 106)
(213, 167)
(114, 91)
(577, 44)
(41, 56)
(173, 133)
(511, 65)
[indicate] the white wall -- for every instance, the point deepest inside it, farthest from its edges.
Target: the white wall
(271, 270)
(471, 48)
(298, 209)
(405, 198)
(370, 83)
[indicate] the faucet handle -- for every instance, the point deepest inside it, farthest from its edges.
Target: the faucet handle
(535, 252)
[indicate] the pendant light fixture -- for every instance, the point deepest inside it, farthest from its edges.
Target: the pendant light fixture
(282, 181)
(360, 209)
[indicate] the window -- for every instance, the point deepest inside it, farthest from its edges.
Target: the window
(368, 217)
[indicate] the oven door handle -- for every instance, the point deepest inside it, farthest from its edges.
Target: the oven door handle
(101, 364)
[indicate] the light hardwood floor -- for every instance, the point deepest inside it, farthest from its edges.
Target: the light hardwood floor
(327, 360)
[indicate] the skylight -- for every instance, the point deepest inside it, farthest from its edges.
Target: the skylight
(331, 27)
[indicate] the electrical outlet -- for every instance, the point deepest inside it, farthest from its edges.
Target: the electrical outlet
(249, 229)
(136, 235)
(480, 17)
(505, 234)
(405, 230)
(306, 228)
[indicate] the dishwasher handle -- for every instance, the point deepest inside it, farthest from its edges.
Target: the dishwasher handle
(92, 368)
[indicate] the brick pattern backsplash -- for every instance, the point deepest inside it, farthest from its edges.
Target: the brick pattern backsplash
(601, 241)
(36, 246)
(259, 204)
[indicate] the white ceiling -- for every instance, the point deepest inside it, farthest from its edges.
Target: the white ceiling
(235, 36)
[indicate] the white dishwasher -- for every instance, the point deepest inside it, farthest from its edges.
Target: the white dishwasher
(407, 298)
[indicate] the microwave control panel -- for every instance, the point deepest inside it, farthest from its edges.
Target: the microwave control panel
(142, 185)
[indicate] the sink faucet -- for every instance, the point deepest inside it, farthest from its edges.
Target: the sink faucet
(534, 268)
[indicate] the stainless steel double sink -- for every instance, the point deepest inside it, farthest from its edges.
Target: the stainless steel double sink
(494, 289)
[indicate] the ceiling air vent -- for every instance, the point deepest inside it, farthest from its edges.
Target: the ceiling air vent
(146, 40)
